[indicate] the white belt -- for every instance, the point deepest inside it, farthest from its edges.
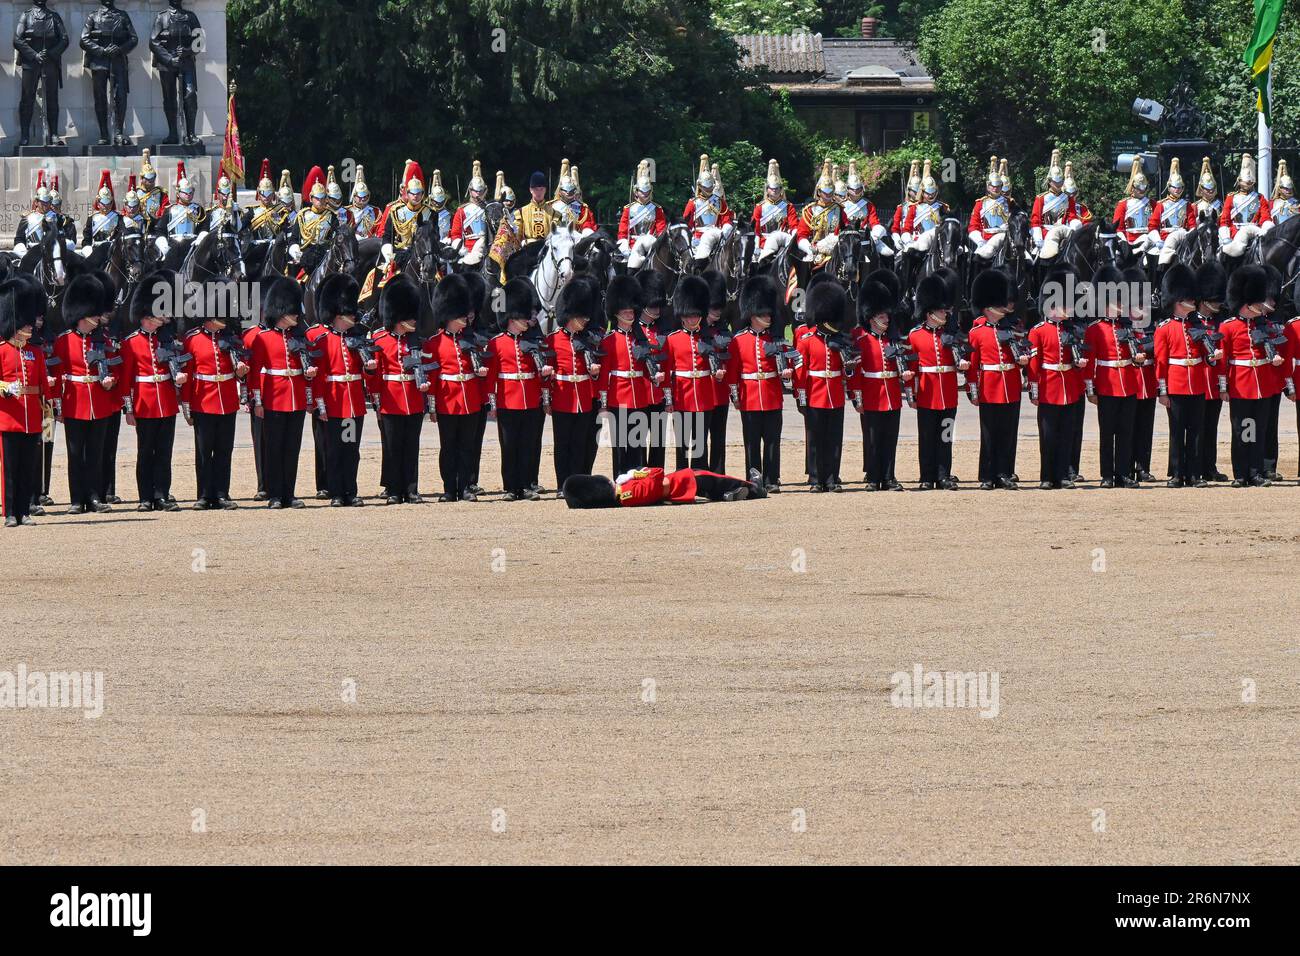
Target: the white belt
(757, 376)
(152, 379)
(1004, 367)
(698, 373)
(1189, 362)
(825, 374)
(282, 372)
(618, 373)
(1114, 363)
(83, 379)
(1057, 368)
(399, 378)
(573, 378)
(343, 378)
(517, 376)
(880, 375)
(224, 377)
(933, 369)
(1248, 363)
(461, 377)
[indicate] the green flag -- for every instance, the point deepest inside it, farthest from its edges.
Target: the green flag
(1258, 54)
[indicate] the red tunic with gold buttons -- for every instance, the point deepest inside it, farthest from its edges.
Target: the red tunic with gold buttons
(1179, 360)
(23, 370)
(752, 372)
(572, 387)
(456, 389)
(935, 386)
(875, 378)
(624, 382)
(77, 385)
(1051, 366)
(687, 373)
(513, 377)
(146, 380)
(993, 367)
(212, 388)
(821, 376)
(648, 486)
(395, 385)
(276, 374)
(340, 377)
(1250, 374)
(1110, 369)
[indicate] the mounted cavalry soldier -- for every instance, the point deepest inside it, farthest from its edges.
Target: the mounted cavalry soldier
(401, 219)
(989, 218)
(152, 197)
(1208, 204)
(436, 204)
(133, 217)
(224, 215)
(104, 221)
(362, 216)
(860, 212)
(925, 215)
(183, 221)
(1055, 211)
(643, 220)
(536, 217)
(267, 218)
(820, 221)
(707, 213)
(468, 234)
(1245, 213)
(911, 195)
(311, 229)
(508, 239)
(1172, 218)
(1133, 213)
(34, 223)
(1285, 204)
(568, 208)
(775, 218)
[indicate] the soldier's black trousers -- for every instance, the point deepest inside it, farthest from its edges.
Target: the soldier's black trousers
(476, 455)
(1078, 411)
(998, 423)
(256, 426)
(27, 101)
(1270, 435)
(1210, 437)
(574, 434)
(1186, 414)
(99, 87)
(214, 444)
(1144, 424)
(517, 429)
(342, 455)
(1248, 416)
(85, 441)
(458, 452)
(41, 467)
(657, 451)
(112, 434)
(1055, 442)
(281, 443)
(880, 445)
(762, 432)
(154, 438)
(20, 452)
(934, 434)
(693, 436)
(401, 467)
(826, 443)
(1115, 416)
(319, 445)
(714, 487)
(718, 439)
(629, 431)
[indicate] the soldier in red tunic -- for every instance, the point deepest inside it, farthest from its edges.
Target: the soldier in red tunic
(716, 333)
(649, 486)
(403, 382)
(457, 391)
(758, 367)
(340, 391)
(688, 375)
(819, 382)
(1181, 377)
(653, 327)
(993, 381)
(1211, 291)
(625, 385)
(1250, 375)
(643, 220)
(1056, 374)
(572, 388)
(24, 388)
(881, 382)
(210, 400)
(935, 345)
(517, 374)
(1113, 382)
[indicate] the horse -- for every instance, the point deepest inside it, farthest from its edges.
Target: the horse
(340, 257)
(593, 255)
(212, 255)
(549, 265)
(1201, 244)
(1280, 248)
(670, 255)
(728, 258)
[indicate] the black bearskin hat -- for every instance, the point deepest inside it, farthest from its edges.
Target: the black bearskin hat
(1055, 285)
(691, 297)
(654, 289)
(1178, 285)
(282, 297)
(889, 280)
(400, 301)
(84, 298)
(452, 299)
(589, 491)
(760, 295)
(932, 294)
(991, 287)
(478, 295)
(1211, 282)
(579, 299)
(826, 305)
(624, 292)
(717, 289)
(874, 298)
(337, 296)
(1248, 285)
(29, 299)
(521, 302)
(155, 296)
(17, 309)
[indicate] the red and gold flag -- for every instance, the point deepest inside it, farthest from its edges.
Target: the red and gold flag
(232, 157)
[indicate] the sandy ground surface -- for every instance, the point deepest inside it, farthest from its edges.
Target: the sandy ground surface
(685, 684)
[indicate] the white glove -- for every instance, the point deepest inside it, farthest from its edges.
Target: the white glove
(6, 386)
(161, 244)
(295, 252)
(1225, 235)
(1153, 237)
(976, 236)
(827, 243)
(877, 232)
(20, 250)
(387, 251)
(86, 250)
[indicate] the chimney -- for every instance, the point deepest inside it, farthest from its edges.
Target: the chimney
(869, 25)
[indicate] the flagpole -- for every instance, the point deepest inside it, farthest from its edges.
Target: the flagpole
(1265, 175)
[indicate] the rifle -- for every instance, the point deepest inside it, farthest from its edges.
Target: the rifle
(98, 362)
(901, 354)
(783, 354)
(849, 354)
(299, 345)
(170, 352)
(360, 342)
(957, 340)
(1205, 336)
(1016, 339)
(1268, 337)
(413, 362)
(716, 356)
(590, 345)
(541, 355)
(1072, 342)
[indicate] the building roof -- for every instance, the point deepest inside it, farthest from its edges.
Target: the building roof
(811, 63)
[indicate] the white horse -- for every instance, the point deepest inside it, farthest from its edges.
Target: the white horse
(554, 269)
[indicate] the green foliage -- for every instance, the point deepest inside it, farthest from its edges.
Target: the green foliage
(765, 16)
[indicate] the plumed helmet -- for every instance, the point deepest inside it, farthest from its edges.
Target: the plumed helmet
(717, 289)
(874, 297)
(337, 295)
(84, 298)
(913, 189)
(1207, 182)
(993, 180)
(359, 188)
(826, 181)
(56, 198)
(704, 183)
(641, 182)
(282, 297)
(521, 301)
(225, 188)
(476, 182)
(691, 297)
(1178, 284)
(624, 292)
(131, 198)
(1004, 175)
(826, 305)
(413, 177)
(1053, 288)
(1055, 172)
(1247, 175)
(501, 192)
(579, 299)
(566, 187)
(400, 301)
(654, 289)
(774, 181)
(265, 187)
(104, 200)
(854, 182)
(990, 288)
(1211, 282)
(1283, 180)
(437, 192)
(285, 192)
(760, 295)
(589, 491)
(929, 185)
(1248, 285)
(932, 294)
(332, 187)
(1137, 179)
(147, 171)
(841, 187)
(1175, 180)
(313, 187)
(157, 295)
(1068, 185)
(42, 191)
(452, 299)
